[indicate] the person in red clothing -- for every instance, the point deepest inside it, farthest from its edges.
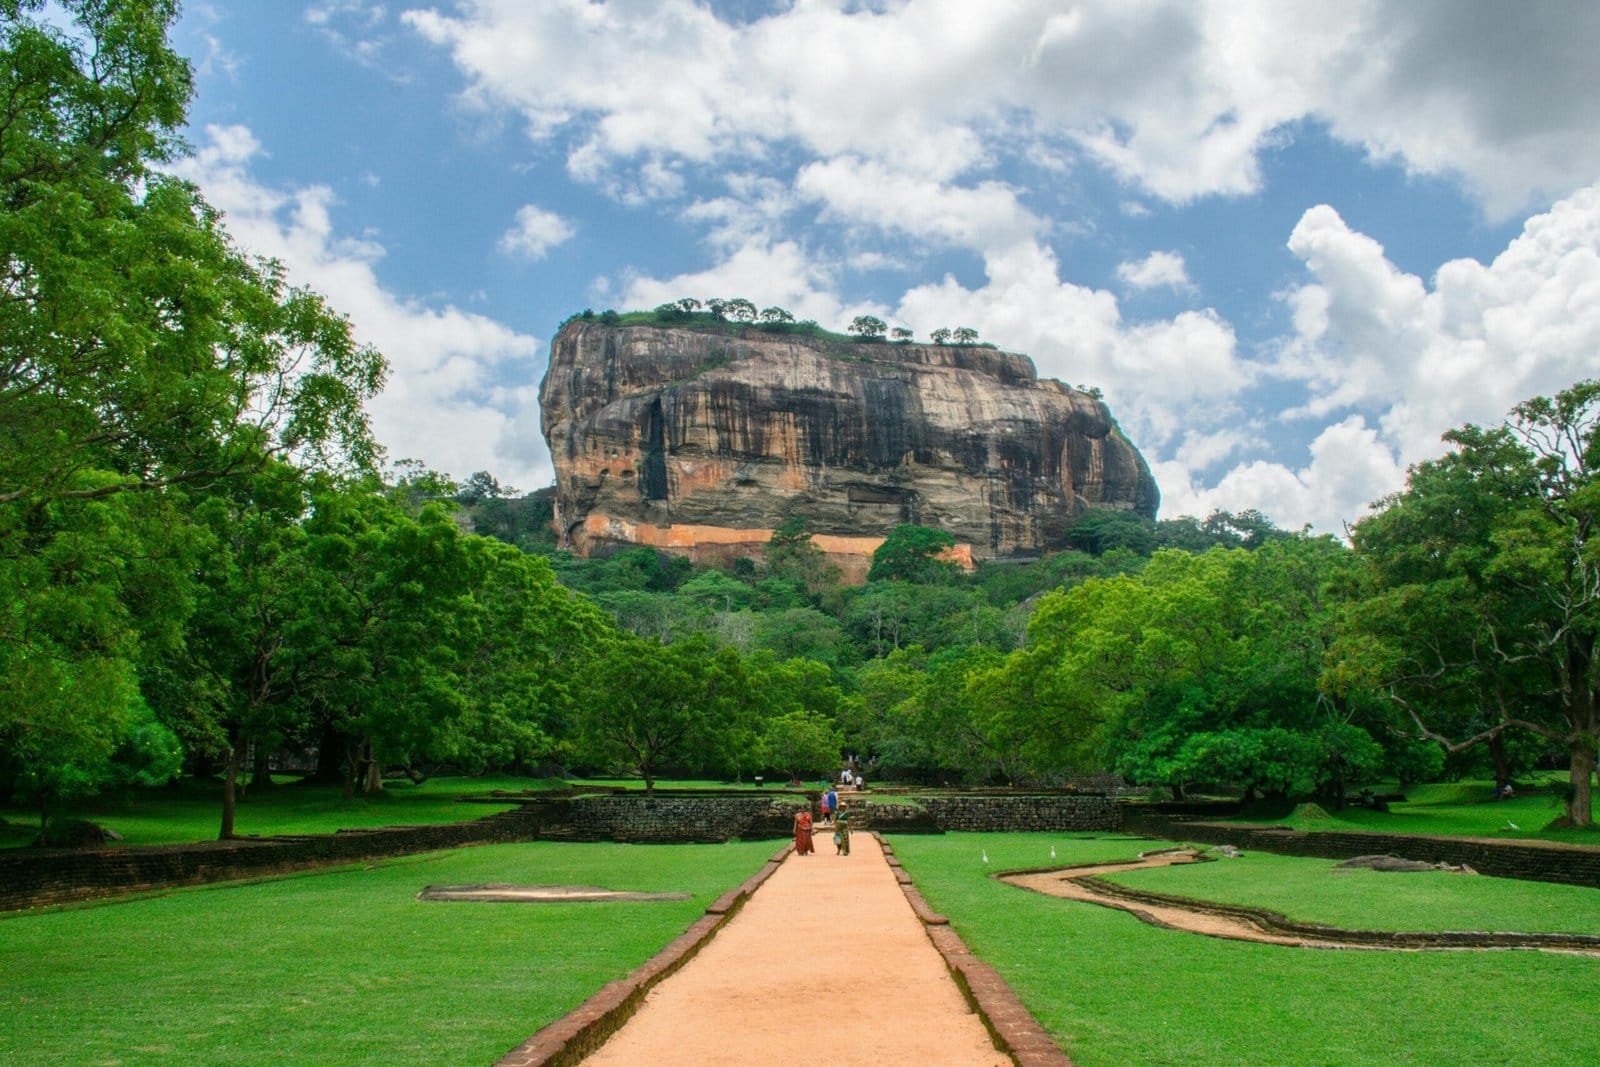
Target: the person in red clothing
(802, 832)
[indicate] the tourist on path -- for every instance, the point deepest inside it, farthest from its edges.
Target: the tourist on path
(830, 804)
(841, 833)
(802, 832)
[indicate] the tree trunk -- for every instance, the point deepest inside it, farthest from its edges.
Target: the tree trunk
(1502, 762)
(1580, 808)
(332, 755)
(374, 783)
(352, 767)
(260, 773)
(1584, 716)
(229, 774)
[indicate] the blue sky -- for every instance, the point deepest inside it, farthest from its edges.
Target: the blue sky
(1292, 242)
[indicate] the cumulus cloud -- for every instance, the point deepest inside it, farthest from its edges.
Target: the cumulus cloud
(1423, 358)
(350, 26)
(1404, 361)
(535, 232)
(1158, 270)
(1349, 467)
(870, 195)
(1178, 97)
(443, 403)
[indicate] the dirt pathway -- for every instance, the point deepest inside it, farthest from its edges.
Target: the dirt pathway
(826, 963)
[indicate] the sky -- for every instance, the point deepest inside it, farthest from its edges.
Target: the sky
(1292, 243)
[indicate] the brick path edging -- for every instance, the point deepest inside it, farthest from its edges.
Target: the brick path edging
(584, 1029)
(1011, 1025)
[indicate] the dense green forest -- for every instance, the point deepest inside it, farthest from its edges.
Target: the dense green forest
(202, 565)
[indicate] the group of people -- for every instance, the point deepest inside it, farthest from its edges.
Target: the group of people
(835, 814)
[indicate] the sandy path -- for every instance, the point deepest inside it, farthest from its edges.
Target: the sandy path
(826, 963)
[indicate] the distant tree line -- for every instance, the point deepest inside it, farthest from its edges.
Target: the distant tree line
(741, 312)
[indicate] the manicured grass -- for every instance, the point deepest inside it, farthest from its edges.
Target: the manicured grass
(1458, 809)
(1312, 890)
(191, 810)
(1116, 991)
(347, 966)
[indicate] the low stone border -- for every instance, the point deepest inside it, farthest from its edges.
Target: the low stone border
(32, 877)
(1530, 860)
(1011, 1025)
(584, 1029)
(1277, 923)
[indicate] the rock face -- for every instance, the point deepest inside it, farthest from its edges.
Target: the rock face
(703, 441)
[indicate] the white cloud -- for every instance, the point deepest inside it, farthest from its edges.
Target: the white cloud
(870, 195)
(1155, 271)
(535, 232)
(1481, 338)
(1414, 360)
(1349, 468)
(1177, 97)
(443, 403)
(351, 27)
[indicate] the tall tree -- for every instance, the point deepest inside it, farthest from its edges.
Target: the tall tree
(392, 624)
(252, 592)
(648, 705)
(1501, 533)
(141, 355)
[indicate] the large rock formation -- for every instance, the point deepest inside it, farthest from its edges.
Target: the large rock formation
(703, 441)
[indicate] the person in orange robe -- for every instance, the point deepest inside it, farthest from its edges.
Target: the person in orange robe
(802, 832)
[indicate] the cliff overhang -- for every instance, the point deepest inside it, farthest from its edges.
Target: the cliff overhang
(704, 441)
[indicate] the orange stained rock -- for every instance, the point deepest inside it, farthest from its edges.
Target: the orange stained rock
(852, 554)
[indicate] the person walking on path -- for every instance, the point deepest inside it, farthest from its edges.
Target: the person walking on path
(802, 832)
(841, 831)
(830, 804)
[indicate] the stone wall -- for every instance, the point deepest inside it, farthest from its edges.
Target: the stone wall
(721, 817)
(682, 817)
(1539, 861)
(1004, 814)
(31, 877)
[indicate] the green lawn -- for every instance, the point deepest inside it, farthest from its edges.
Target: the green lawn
(1458, 809)
(1116, 991)
(191, 810)
(345, 966)
(1313, 890)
